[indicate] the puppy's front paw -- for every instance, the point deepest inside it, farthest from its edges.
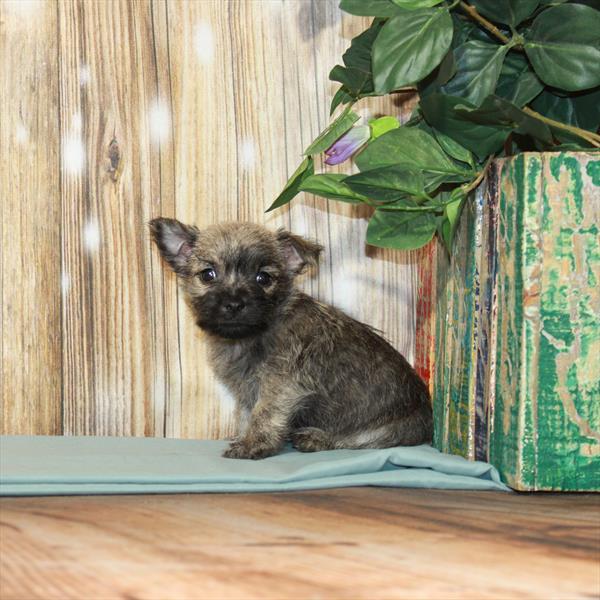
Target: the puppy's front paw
(240, 449)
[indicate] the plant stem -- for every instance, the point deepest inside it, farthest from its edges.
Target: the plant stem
(588, 136)
(403, 90)
(472, 12)
(471, 186)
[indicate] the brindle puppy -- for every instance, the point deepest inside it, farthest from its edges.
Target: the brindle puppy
(298, 369)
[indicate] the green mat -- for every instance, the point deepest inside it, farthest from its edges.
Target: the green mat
(53, 465)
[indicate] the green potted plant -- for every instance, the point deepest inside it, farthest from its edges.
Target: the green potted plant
(501, 83)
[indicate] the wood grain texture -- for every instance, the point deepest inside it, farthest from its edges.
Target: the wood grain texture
(195, 110)
(30, 206)
(350, 543)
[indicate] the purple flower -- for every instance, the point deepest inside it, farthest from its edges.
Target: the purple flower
(344, 147)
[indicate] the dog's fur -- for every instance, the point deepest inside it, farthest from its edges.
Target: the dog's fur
(298, 369)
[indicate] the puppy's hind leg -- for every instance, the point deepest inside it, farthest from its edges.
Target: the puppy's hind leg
(412, 430)
(312, 439)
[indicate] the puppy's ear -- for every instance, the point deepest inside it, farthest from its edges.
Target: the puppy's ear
(297, 251)
(175, 242)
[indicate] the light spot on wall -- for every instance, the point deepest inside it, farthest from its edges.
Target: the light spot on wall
(65, 283)
(298, 219)
(73, 154)
(365, 114)
(91, 236)
(73, 150)
(23, 7)
(160, 121)
(85, 75)
(204, 42)
(21, 134)
(76, 122)
(346, 290)
(247, 154)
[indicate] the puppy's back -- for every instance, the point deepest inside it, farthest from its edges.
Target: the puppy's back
(360, 382)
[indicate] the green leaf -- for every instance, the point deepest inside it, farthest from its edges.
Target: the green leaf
(439, 76)
(501, 112)
(478, 66)
(463, 27)
(440, 112)
(331, 185)
(414, 4)
(292, 187)
(581, 109)
(453, 148)
(564, 47)
(369, 8)
(446, 69)
(400, 230)
(518, 83)
(356, 76)
(509, 12)
(388, 183)
(452, 212)
(340, 97)
(409, 46)
(383, 8)
(413, 148)
(382, 125)
(342, 124)
(595, 4)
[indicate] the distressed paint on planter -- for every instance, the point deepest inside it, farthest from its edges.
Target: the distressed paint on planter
(517, 377)
(546, 411)
(456, 335)
(486, 335)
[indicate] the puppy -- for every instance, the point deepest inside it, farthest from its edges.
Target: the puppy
(298, 369)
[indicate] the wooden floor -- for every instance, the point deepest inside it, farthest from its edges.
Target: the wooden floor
(351, 543)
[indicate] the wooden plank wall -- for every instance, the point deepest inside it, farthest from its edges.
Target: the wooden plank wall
(114, 112)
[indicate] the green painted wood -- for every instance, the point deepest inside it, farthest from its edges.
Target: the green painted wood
(517, 378)
(456, 335)
(546, 413)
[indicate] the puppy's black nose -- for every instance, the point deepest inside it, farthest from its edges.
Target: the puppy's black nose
(232, 307)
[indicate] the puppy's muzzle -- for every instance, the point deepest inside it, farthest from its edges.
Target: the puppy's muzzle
(232, 307)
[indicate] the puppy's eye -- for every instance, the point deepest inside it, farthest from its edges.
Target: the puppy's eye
(208, 275)
(263, 279)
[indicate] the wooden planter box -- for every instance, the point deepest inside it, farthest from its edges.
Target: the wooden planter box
(515, 366)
